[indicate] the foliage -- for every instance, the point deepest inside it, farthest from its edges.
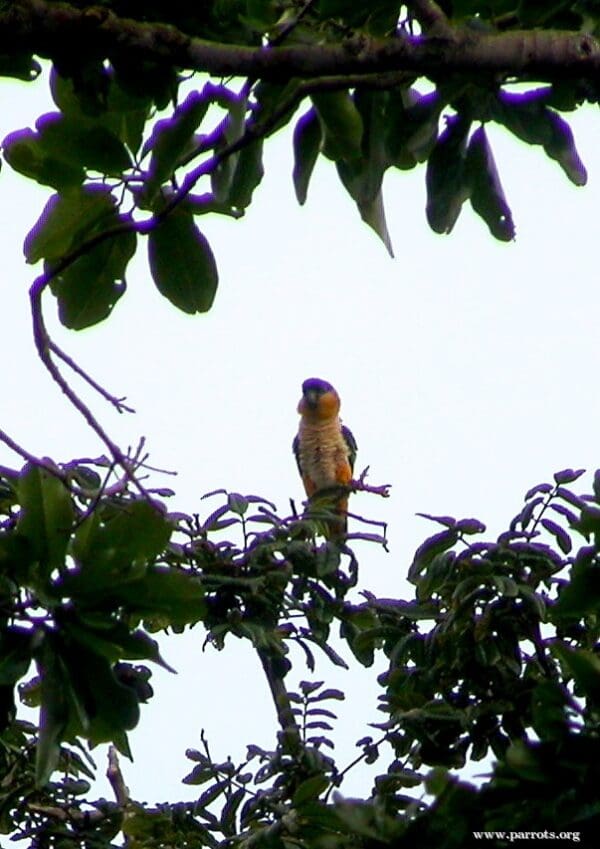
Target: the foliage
(496, 655)
(134, 132)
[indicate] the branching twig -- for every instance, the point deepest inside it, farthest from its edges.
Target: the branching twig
(117, 403)
(360, 485)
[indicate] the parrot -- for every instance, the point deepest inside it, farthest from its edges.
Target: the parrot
(324, 448)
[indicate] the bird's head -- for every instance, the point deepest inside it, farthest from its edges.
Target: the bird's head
(319, 399)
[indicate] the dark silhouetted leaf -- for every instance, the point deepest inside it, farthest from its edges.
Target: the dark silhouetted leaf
(182, 264)
(561, 536)
(446, 180)
(568, 475)
(487, 195)
(307, 142)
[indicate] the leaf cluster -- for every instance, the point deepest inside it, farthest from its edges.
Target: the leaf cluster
(494, 656)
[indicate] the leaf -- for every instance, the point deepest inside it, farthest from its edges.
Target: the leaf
(46, 517)
(173, 597)
(182, 264)
(561, 536)
(307, 141)
(64, 218)
(171, 137)
(341, 124)
(568, 476)
(470, 526)
(20, 66)
(25, 153)
(582, 594)
(446, 181)
(309, 790)
(247, 175)
(426, 552)
(540, 487)
(411, 129)
(16, 645)
(87, 145)
(583, 666)
(487, 195)
(447, 521)
(88, 289)
(54, 714)
(527, 116)
(373, 214)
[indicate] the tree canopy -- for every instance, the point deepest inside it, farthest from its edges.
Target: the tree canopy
(163, 115)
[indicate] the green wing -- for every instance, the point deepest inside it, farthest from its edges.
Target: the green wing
(351, 443)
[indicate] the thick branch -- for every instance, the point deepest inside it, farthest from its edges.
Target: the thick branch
(544, 54)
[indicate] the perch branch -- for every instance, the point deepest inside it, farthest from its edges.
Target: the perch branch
(41, 26)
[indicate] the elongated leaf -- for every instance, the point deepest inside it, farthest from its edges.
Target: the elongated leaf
(171, 137)
(447, 183)
(307, 141)
(182, 264)
(528, 117)
(46, 517)
(487, 195)
(247, 174)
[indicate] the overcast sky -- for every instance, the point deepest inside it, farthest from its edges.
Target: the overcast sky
(467, 371)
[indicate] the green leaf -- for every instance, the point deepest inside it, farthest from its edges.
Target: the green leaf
(446, 180)
(54, 713)
(583, 666)
(487, 195)
(341, 124)
(46, 517)
(247, 174)
(582, 594)
(24, 152)
(15, 654)
(307, 141)
(88, 289)
(309, 790)
(106, 547)
(66, 217)
(171, 138)
(113, 707)
(182, 264)
(88, 145)
(431, 548)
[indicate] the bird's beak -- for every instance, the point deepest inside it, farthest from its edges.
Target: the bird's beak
(312, 397)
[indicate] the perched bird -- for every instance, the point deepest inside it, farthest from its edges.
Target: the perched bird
(325, 449)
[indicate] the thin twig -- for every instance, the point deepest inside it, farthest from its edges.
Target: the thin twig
(115, 777)
(117, 403)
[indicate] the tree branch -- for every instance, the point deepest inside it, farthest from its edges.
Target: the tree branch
(46, 27)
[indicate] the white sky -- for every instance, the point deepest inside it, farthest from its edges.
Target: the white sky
(467, 370)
